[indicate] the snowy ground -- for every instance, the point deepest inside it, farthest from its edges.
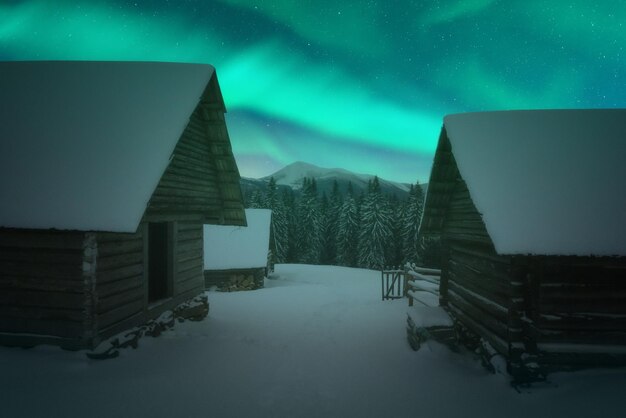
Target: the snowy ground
(316, 342)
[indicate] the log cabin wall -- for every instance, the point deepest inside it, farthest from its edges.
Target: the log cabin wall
(478, 281)
(578, 310)
(201, 182)
(46, 287)
(122, 276)
(200, 185)
(189, 265)
(120, 284)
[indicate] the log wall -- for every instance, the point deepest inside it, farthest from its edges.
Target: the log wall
(43, 288)
(477, 281)
(201, 182)
(578, 309)
(122, 286)
(189, 278)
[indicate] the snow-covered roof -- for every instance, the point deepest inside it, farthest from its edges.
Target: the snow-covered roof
(84, 144)
(546, 182)
(231, 247)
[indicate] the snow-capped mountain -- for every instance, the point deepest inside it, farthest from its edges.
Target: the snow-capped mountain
(293, 175)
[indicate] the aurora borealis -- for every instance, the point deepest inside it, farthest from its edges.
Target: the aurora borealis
(361, 85)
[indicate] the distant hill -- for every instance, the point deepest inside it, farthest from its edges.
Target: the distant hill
(292, 176)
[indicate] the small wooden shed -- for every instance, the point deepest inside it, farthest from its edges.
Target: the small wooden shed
(531, 210)
(108, 172)
(236, 258)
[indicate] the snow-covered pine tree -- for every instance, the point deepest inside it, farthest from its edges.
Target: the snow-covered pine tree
(375, 229)
(331, 226)
(279, 231)
(289, 202)
(412, 218)
(324, 255)
(395, 250)
(348, 231)
(256, 200)
(308, 224)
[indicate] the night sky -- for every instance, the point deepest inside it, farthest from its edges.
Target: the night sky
(361, 85)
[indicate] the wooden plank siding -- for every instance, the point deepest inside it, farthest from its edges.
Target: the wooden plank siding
(477, 280)
(577, 310)
(555, 311)
(119, 278)
(78, 288)
(201, 182)
(189, 259)
(43, 288)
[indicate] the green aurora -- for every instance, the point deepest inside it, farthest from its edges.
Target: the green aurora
(361, 85)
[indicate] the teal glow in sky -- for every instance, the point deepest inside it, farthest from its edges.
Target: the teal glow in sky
(361, 85)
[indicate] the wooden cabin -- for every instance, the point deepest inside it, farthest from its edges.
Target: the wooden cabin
(530, 208)
(235, 257)
(108, 172)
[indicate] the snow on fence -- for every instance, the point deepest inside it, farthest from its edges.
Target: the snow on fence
(417, 283)
(423, 285)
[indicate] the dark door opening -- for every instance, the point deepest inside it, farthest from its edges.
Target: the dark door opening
(158, 265)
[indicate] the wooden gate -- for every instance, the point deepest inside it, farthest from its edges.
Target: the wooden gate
(392, 283)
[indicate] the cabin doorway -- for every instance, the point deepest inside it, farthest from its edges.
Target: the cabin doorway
(160, 249)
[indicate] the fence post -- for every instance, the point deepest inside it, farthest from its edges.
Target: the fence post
(382, 284)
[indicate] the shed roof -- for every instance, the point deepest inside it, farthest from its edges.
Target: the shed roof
(549, 182)
(231, 247)
(83, 144)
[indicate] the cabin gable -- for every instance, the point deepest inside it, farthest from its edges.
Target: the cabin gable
(543, 307)
(77, 286)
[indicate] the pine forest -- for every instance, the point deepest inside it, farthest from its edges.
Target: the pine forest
(369, 230)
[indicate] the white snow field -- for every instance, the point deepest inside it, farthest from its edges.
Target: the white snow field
(315, 342)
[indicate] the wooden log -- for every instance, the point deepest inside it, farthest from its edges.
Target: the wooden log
(190, 264)
(484, 302)
(118, 300)
(45, 299)
(45, 270)
(39, 256)
(498, 343)
(113, 248)
(192, 273)
(119, 286)
(120, 313)
(75, 285)
(119, 261)
(119, 273)
(41, 312)
(20, 238)
(53, 327)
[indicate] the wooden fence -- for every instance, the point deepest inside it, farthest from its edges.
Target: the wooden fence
(423, 286)
(393, 283)
(417, 283)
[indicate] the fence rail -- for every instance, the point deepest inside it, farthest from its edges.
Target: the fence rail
(417, 283)
(423, 286)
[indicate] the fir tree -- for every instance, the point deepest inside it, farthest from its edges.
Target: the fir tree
(256, 200)
(279, 231)
(348, 231)
(395, 250)
(375, 229)
(331, 225)
(308, 224)
(289, 203)
(412, 218)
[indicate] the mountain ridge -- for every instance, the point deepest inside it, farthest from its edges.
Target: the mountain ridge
(292, 176)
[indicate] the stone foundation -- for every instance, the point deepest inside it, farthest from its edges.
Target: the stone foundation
(235, 280)
(195, 309)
